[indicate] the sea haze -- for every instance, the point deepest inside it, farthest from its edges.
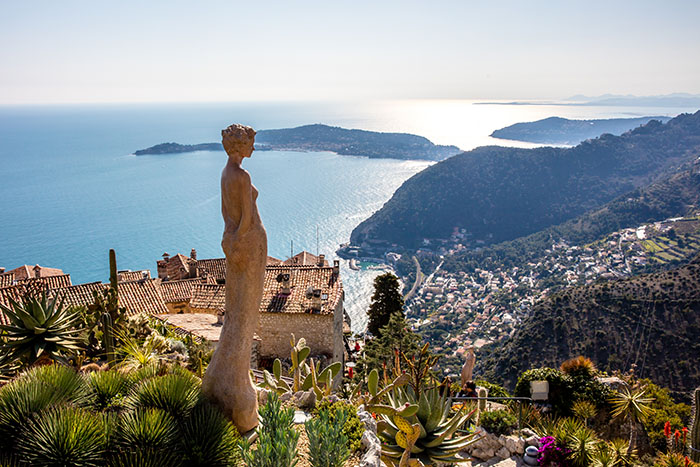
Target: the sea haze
(71, 188)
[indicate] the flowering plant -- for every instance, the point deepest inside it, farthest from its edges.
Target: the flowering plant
(552, 454)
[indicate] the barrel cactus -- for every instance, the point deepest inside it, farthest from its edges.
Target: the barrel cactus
(695, 428)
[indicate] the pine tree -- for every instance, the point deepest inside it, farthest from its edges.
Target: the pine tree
(386, 301)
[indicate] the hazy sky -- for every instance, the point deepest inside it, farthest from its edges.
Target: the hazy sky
(123, 51)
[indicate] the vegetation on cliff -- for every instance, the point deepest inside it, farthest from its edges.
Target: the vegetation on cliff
(651, 321)
(329, 138)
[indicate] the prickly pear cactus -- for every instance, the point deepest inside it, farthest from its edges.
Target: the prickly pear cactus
(695, 428)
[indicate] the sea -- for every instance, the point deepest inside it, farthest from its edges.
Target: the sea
(71, 188)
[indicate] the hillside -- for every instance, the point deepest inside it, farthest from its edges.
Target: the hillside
(497, 194)
(557, 130)
(676, 195)
(328, 138)
(651, 320)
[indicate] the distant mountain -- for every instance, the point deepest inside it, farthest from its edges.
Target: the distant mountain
(557, 130)
(677, 195)
(497, 194)
(650, 320)
(666, 100)
(328, 138)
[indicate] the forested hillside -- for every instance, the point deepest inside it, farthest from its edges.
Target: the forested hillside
(500, 194)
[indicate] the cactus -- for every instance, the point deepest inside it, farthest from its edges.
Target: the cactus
(305, 375)
(107, 336)
(695, 428)
(482, 402)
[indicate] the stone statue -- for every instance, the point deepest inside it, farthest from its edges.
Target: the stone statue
(227, 380)
(468, 367)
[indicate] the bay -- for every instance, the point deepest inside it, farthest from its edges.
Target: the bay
(71, 188)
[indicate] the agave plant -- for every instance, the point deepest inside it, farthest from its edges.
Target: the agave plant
(40, 328)
(428, 434)
(634, 407)
(63, 436)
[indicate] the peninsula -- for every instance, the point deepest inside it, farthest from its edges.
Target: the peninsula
(557, 130)
(318, 137)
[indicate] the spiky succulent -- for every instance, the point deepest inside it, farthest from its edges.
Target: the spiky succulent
(40, 327)
(429, 433)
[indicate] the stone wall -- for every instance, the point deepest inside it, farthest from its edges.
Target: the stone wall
(178, 307)
(275, 331)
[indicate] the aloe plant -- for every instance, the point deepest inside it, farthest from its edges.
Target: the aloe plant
(426, 436)
(40, 328)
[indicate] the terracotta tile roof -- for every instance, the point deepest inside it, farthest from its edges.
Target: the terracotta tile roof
(81, 294)
(215, 267)
(301, 279)
(304, 259)
(7, 279)
(126, 276)
(48, 282)
(141, 297)
(6, 293)
(273, 261)
(208, 297)
(26, 271)
(178, 291)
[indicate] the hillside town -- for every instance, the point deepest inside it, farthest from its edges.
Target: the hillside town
(459, 310)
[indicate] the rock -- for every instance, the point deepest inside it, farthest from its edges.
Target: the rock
(526, 432)
(301, 417)
(369, 421)
(515, 444)
(483, 454)
(533, 441)
(304, 399)
(263, 394)
(286, 397)
(333, 398)
(503, 453)
(510, 462)
(372, 459)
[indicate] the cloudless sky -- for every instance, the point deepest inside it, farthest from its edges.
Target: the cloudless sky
(132, 51)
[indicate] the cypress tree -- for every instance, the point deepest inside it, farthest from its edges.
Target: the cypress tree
(386, 301)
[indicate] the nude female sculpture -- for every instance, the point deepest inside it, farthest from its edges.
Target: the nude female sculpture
(227, 380)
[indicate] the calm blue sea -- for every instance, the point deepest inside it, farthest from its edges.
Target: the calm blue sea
(70, 188)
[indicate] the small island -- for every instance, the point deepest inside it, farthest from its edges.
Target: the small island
(557, 130)
(318, 137)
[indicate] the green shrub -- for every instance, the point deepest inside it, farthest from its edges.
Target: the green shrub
(34, 391)
(63, 436)
(176, 393)
(560, 391)
(277, 441)
(494, 389)
(498, 422)
(207, 438)
(328, 445)
(353, 428)
(146, 435)
(107, 389)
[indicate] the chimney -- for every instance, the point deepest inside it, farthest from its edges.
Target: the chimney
(321, 260)
(284, 279)
(2, 270)
(336, 267)
(193, 254)
(37, 271)
(166, 256)
(316, 300)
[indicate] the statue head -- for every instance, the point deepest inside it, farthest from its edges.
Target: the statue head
(238, 140)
